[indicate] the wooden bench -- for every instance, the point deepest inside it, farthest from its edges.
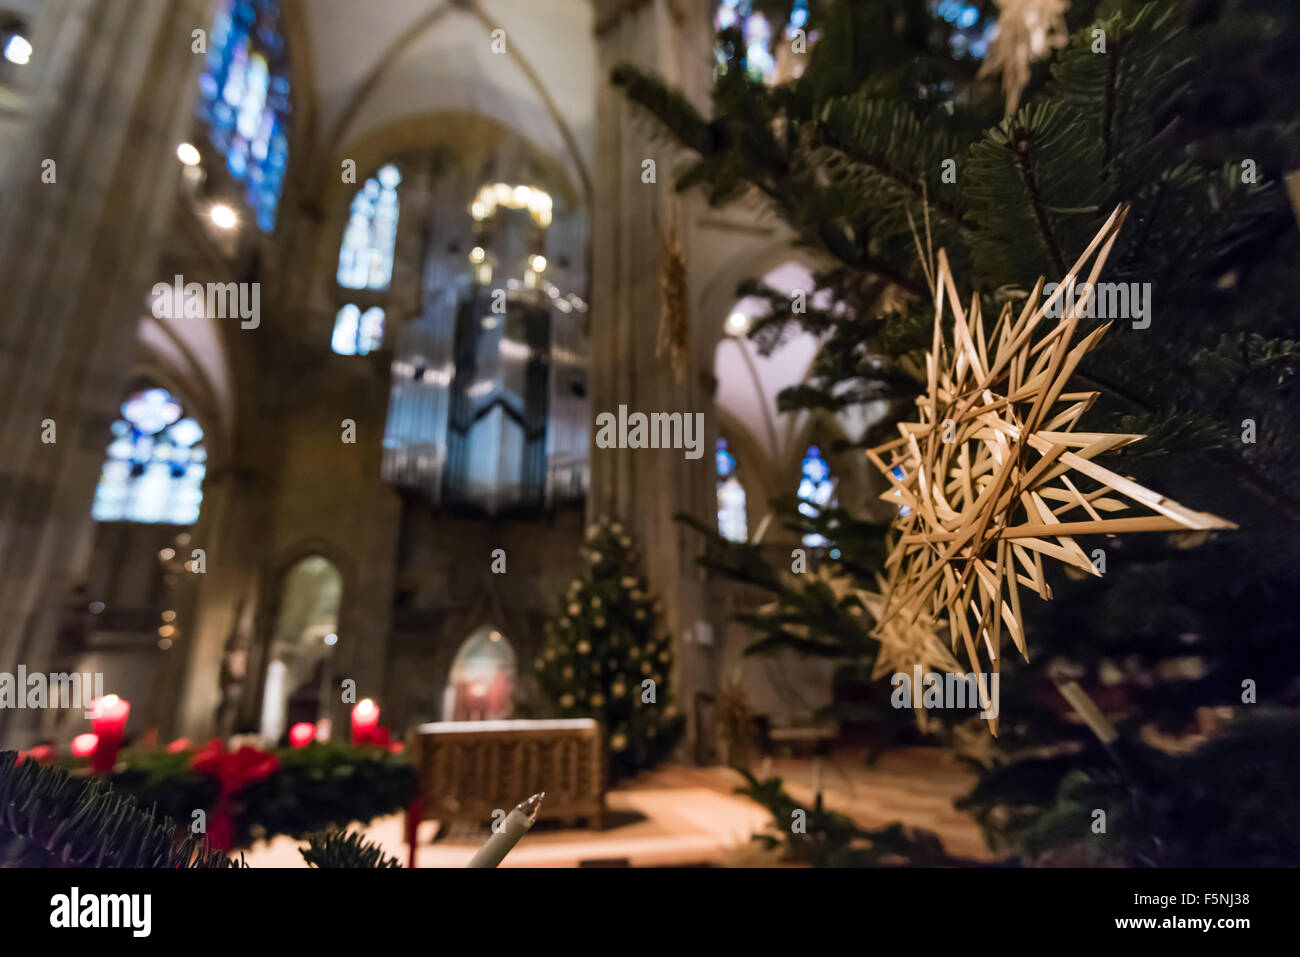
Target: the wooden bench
(466, 770)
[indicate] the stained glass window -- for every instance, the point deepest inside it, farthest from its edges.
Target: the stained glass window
(898, 473)
(971, 30)
(155, 465)
(732, 518)
(366, 253)
(816, 492)
(357, 333)
(757, 32)
(244, 100)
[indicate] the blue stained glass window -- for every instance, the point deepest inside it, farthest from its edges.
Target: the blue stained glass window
(757, 32)
(726, 464)
(733, 522)
(357, 333)
(369, 239)
(244, 100)
(971, 30)
(898, 473)
(816, 492)
(155, 464)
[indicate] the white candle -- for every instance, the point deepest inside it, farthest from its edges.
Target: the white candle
(517, 823)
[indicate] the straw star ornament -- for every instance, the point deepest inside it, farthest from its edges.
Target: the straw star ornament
(906, 644)
(993, 479)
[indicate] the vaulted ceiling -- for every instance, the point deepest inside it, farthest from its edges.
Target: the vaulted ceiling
(750, 382)
(374, 62)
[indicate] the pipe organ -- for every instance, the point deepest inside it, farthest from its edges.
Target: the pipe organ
(488, 408)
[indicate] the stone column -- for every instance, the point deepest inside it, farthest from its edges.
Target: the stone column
(226, 604)
(646, 487)
(115, 87)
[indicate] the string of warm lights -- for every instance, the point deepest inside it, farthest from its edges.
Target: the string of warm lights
(540, 206)
(490, 196)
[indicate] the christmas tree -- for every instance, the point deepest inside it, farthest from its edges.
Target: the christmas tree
(890, 146)
(605, 658)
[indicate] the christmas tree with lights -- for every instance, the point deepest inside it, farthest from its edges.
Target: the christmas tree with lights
(604, 657)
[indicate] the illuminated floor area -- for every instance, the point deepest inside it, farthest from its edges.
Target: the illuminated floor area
(684, 816)
(646, 828)
(915, 786)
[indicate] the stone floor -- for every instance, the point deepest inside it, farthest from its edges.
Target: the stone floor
(915, 786)
(687, 816)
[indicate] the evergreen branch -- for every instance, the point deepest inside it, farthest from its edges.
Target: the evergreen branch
(847, 127)
(1245, 472)
(336, 849)
(1110, 107)
(667, 104)
(1020, 152)
(49, 819)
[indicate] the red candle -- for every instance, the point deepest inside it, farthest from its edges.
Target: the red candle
(365, 719)
(302, 734)
(108, 720)
(84, 745)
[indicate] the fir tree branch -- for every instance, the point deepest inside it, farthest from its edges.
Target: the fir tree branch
(336, 849)
(882, 168)
(1109, 110)
(1249, 476)
(1020, 153)
(49, 819)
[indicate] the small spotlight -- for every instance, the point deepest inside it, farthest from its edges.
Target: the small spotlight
(188, 154)
(538, 263)
(222, 216)
(331, 638)
(477, 255)
(18, 50)
(738, 323)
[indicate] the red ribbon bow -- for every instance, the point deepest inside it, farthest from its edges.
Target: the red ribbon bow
(233, 770)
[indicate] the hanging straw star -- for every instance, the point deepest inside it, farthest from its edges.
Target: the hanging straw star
(1027, 31)
(993, 478)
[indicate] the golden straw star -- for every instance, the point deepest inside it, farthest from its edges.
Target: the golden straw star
(993, 478)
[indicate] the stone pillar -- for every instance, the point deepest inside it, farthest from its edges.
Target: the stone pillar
(225, 612)
(368, 613)
(115, 87)
(646, 487)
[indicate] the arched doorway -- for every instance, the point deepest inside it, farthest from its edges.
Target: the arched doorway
(301, 650)
(481, 686)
